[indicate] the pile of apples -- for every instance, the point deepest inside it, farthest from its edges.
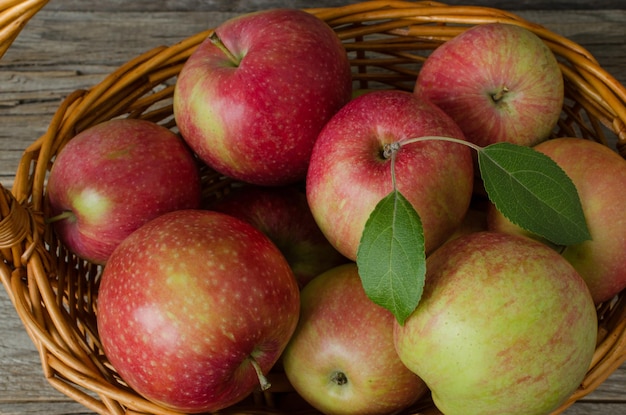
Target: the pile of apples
(199, 301)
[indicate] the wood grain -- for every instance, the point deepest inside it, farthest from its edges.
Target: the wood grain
(240, 6)
(73, 44)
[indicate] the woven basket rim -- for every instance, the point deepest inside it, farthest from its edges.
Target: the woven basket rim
(31, 277)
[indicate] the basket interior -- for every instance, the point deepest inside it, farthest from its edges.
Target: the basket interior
(56, 293)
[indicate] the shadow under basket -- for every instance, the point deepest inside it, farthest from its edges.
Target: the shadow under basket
(55, 293)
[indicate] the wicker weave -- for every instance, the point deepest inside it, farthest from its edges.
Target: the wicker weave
(14, 14)
(54, 293)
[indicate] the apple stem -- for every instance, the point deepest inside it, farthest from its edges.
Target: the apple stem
(390, 149)
(498, 95)
(66, 214)
(215, 39)
(439, 138)
(265, 384)
(389, 152)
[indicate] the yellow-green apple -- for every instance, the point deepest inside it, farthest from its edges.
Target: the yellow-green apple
(252, 99)
(282, 213)
(349, 172)
(505, 326)
(341, 359)
(499, 82)
(194, 309)
(599, 174)
(115, 176)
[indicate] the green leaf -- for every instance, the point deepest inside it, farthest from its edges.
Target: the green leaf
(391, 257)
(533, 192)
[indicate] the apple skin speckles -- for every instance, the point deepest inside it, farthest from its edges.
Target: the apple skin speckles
(115, 176)
(186, 300)
(257, 120)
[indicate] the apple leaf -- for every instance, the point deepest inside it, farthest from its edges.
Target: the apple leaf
(391, 257)
(533, 192)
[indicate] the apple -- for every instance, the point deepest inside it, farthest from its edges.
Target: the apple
(251, 99)
(192, 305)
(475, 220)
(282, 213)
(509, 88)
(505, 326)
(115, 176)
(349, 174)
(599, 174)
(341, 359)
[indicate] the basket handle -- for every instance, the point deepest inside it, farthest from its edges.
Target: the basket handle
(19, 230)
(14, 14)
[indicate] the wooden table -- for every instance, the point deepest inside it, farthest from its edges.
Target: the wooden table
(72, 44)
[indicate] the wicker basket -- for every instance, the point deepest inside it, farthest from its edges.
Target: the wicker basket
(55, 293)
(14, 14)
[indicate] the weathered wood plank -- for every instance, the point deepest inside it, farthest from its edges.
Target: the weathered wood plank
(52, 407)
(241, 6)
(22, 377)
(73, 44)
(596, 408)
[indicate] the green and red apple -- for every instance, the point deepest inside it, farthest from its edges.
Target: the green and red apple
(505, 326)
(341, 359)
(115, 176)
(499, 82)
(349, 173)
(194, 309)
(251, 99)
(599, 174)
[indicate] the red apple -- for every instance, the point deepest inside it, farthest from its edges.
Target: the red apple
(282, 213)
(348, 174)
(115, 176)
(475, 220)
(191, 305)
(509, 88)
(505, 326)
(341, 359)
(252, 106)
(599, 174)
